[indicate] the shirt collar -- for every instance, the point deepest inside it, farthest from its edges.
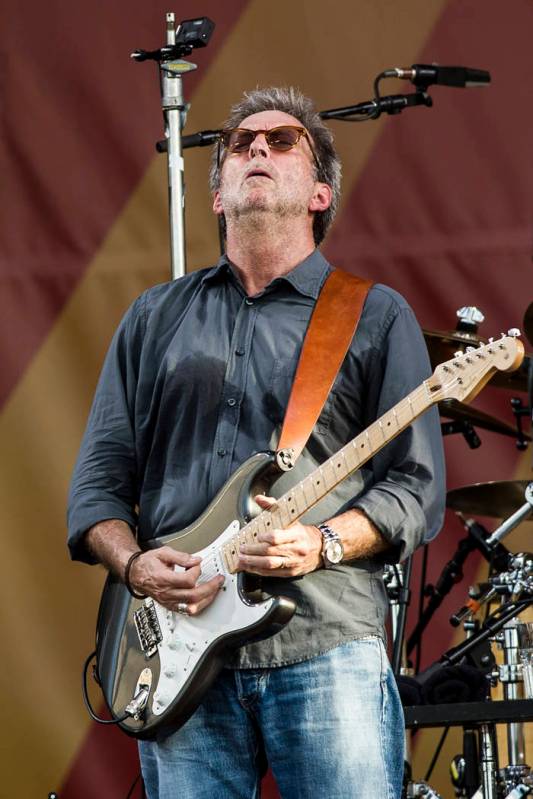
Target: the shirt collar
(307, 277)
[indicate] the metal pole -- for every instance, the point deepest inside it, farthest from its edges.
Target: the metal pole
(514, 520)
(488, 766)
(173, 108)
(511, 690)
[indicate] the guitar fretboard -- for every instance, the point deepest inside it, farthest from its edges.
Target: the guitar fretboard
(301, 497)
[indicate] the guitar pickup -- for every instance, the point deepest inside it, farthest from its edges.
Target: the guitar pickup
(147, 626)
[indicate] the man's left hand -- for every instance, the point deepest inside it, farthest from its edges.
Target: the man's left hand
(282, 553)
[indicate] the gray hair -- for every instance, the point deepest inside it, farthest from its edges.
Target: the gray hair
(291, 101)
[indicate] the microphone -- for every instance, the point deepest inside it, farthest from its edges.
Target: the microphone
(423, 75)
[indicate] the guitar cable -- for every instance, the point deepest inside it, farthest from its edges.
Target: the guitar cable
(87, 701)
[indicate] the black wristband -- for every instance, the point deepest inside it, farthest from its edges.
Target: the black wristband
(127, 570)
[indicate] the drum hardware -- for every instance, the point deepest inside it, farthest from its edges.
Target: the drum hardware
(515, 581)
(464, 768)
(397, 579)
(520, 410)
(465, 428)
(497, 499)
(469, 319)
(489, 759)
(452, 573)
(460, 412)
(443, 344)
(416, 789)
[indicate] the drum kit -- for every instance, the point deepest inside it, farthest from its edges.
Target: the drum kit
(455, 691)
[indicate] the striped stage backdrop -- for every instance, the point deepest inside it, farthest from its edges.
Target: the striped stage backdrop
(436, 203)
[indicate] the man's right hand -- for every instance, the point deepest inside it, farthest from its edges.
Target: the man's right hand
(153, 574)
(112, 543)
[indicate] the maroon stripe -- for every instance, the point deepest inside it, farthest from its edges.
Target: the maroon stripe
(80, 122)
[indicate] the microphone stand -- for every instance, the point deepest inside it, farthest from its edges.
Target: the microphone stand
(172, 66)
(452, 573)
(370, 109)
(174, 110)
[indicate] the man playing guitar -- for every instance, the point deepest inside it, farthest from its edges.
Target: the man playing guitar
(196, 380)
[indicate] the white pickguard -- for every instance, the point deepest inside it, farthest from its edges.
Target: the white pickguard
(185, 638)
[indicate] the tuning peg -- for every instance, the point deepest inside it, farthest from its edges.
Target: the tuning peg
(470, 349)
(491, 340)
(514, 332)
(458, 354)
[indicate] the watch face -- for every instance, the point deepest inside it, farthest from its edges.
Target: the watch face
(334, 551)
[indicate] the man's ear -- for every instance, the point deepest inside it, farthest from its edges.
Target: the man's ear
(217, 203)
(322, 197)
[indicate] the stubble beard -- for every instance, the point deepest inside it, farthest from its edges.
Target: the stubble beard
(261, 212)
(259, 209)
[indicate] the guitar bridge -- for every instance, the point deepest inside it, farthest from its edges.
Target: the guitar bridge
(147, 626)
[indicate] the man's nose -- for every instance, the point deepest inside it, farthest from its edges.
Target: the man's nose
(259, 146)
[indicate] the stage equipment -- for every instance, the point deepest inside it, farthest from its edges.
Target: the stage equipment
(468, 417)
(497, 499)
(397, 578)
(424, 75)
(190, 34)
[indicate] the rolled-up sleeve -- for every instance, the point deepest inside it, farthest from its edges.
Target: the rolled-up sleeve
(105, 481)
(405, 498)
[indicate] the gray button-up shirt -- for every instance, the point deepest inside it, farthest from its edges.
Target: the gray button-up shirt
(197, 379)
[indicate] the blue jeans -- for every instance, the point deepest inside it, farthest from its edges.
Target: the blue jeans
(331, 726)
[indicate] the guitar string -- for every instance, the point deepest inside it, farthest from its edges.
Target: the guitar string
(210, 564)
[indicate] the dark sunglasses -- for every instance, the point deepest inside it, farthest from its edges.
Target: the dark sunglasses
(282, 138)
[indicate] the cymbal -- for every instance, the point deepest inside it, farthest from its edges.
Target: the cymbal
(497, 499)
(443, 344)
(458, 411)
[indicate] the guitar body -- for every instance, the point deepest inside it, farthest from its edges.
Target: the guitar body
(141, 646)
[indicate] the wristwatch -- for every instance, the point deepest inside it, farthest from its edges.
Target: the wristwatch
(332, 549)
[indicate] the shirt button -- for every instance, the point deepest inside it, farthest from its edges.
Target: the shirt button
(232, 402)
(222, 452)
(248, 301)
(239, 351)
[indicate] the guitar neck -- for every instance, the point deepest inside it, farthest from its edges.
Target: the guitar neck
(305, 494)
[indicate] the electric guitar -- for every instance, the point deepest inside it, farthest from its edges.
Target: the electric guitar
(154, 665)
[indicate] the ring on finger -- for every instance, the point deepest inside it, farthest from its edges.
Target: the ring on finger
(182, 607)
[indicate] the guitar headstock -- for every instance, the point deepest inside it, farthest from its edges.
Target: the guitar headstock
(463, 376)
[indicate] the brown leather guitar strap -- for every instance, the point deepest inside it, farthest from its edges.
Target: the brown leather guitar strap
(331, 329)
